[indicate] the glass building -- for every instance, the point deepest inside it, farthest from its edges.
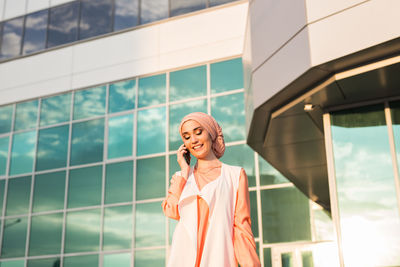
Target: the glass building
(92, 93)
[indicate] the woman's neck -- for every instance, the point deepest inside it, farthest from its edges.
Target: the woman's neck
(207, 163)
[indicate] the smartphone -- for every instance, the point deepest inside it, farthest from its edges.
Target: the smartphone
(186, 155)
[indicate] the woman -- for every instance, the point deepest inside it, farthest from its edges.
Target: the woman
(211, 202)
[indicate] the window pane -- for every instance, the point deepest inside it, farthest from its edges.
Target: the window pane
(2, 186)
(52, 148)
(151, 131)
(188, 83)
(150, 258)
(49, 192)
(152, 90)
(176, 114)
(150, 174)
(45, 236)
(126, 14)
(120, 136)
(95, 18)
(287, 259)
(122, 96)
(4, 142)
(22, 152)
(117, 228)
(219, 2)
(19, 191)
(17, 263)
(286, 215)
(119, 182)
(229, 113)
(35, 32)
(253, 213)
(84, 187)
(395, 110)
(152, 10)
(11, 39)
(6, 113)
(149, 225)
(79, 261)
(226, 75)
(26, 115)
(242, 156)
(268, 174)
(307, 259)
(14, 237)
(63, 24)
(82, 231)
(179, 7)
(55, 109)
(90, 102)
(120, 260)
(87, 142)
(369, 215)
(267, 257)
(52, 262)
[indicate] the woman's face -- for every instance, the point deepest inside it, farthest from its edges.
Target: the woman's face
(196, 139)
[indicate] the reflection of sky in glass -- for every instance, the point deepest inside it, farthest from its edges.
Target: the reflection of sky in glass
(120, 260)
(2, 186)
(226, 75)
(149, 225)
(35, 32)
(82, 231)
(3, 154)
(120, 136)
(95, 18)
(179, 7)
(229, 113)
(323, 225)
(49, 262)
(150, 173)
(89, 102)
(243, 156)
(117, 228)
(5, 118)
(26, 115)
(268, 174)
(11, 38)
(63, 24)
(285, 214)
(253, 213)
(152, 10)
(151, 131)
(49, 192)
(55, 109)
(366, 191)
(150, 258)
(172, 226)
(188, 83)
(126, 14)
(19, 191)
(152, 90)
(87, 142)
(87, 261)
(219, 2)
(84, 188)
(395, 110)
(17, 263)
(14, 238)
(52, 148)
(121, 96)
(45, 234)
(176, 114)
(22, 152)
(119, 182)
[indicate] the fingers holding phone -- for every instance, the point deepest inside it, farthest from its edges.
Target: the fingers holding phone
(183, 158)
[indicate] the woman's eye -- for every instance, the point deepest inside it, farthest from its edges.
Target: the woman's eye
(199, 132)
(186, 137)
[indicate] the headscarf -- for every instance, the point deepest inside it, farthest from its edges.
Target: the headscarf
(212, 127)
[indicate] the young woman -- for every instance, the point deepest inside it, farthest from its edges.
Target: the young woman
(210, 201)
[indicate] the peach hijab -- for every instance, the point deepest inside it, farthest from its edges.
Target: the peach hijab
(212, 127)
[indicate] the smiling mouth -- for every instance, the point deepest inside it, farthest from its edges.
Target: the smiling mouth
(197, 147)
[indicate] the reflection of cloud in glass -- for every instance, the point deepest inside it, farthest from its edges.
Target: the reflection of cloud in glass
(151, 130)
(23, 152)
(95, 18)
(120, 136)
(55, 109)
(118, 228)
(11, 40)
(26, 115)
(152, 10)
(150, 225)
(122, 96)
(120, 260)
(89, 102)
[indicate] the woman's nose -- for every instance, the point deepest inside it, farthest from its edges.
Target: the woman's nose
(193, 139)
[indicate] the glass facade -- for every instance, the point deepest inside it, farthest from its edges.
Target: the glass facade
(83, 19)
(83, 174)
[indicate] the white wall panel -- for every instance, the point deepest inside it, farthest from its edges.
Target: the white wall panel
(317, 9)
(14, 8)
(273, 23)
(363, 26)
(2, 2)
(58, 2)
(281, 69)
(35, 5)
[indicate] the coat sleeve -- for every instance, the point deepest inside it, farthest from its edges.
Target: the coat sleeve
(170, 204)
(243, 239)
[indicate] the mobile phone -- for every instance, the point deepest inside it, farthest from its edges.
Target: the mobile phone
(186, 155)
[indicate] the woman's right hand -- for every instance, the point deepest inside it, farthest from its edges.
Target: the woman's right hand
(185, 168)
